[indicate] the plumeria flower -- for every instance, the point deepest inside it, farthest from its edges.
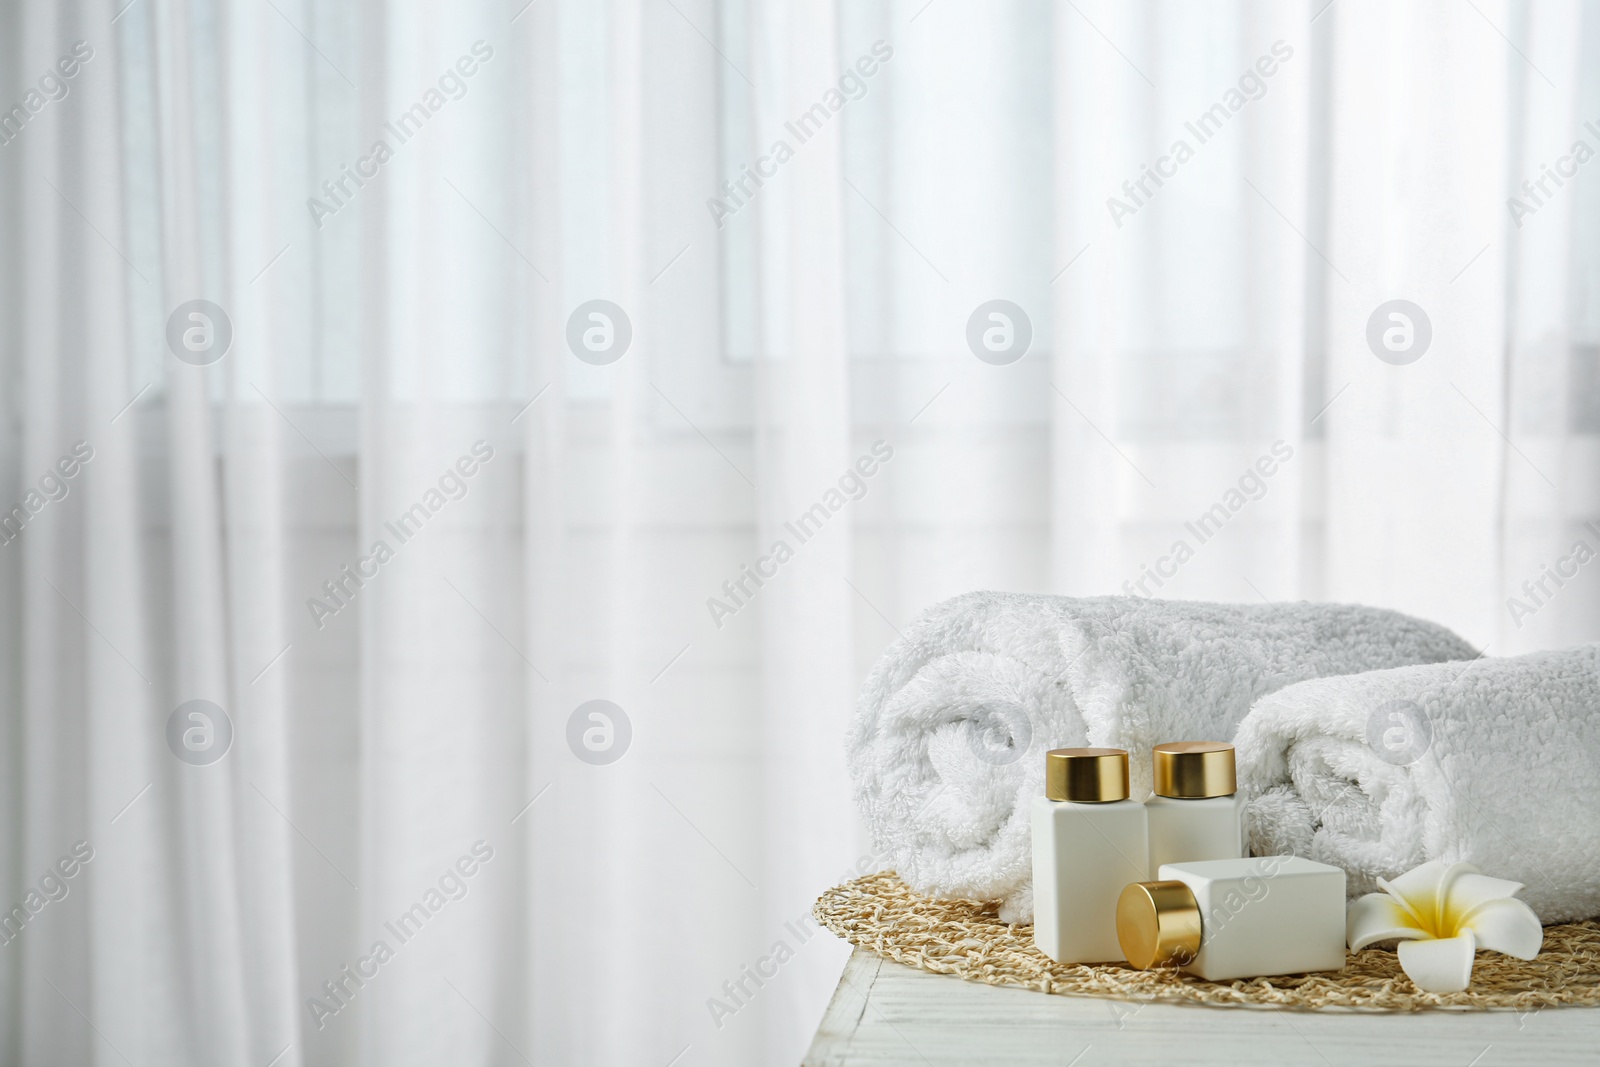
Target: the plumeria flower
(1442, 914)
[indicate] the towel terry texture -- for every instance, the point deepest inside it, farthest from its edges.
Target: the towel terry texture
(946, 746)
(1494, 762)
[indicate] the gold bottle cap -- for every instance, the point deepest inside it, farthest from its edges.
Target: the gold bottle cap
(1193, 770)
(1086, 775)
(1158, 923)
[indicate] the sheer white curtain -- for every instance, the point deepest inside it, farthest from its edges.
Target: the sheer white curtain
(557, 529)
(1231, 309)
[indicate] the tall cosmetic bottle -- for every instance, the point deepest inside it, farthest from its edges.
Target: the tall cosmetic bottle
(1089, 842)
(1196, 813)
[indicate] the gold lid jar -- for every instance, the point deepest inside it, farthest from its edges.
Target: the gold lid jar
(1086, 775)
(1158, 924)
(1193, 770)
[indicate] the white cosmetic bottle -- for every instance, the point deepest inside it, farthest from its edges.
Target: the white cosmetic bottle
(1088, 843)
(1196, 812)
(1227, 919)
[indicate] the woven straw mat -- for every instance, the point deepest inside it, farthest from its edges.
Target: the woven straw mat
(967, 939)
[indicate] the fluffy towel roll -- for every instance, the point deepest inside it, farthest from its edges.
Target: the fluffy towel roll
(1494, 762)
(946, 747)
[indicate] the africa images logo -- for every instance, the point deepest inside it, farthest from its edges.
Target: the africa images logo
(852, 85)
(599, 332)
(199, 332)
(1251, 86)
(199, 732)
(1399, 332)
(341, 189)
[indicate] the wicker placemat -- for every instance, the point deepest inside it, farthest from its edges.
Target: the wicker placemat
(967, 939)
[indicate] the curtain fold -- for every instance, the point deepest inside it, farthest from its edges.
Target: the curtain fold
(804, 446)
(205, 809)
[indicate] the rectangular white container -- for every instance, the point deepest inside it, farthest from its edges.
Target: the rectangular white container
(1265, 915)
(1185, 830)
(1083, 856)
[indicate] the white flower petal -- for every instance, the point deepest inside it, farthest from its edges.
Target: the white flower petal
(1418, 881)
(1419, 891)
(1440, 964)
(1508, 926)
(1378, 917)
(1472, 890)
(1447, 920)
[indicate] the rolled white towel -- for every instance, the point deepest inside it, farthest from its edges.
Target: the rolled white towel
(946, 747)
(1495, 762)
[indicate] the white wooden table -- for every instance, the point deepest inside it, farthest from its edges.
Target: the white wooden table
(887, 1013)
